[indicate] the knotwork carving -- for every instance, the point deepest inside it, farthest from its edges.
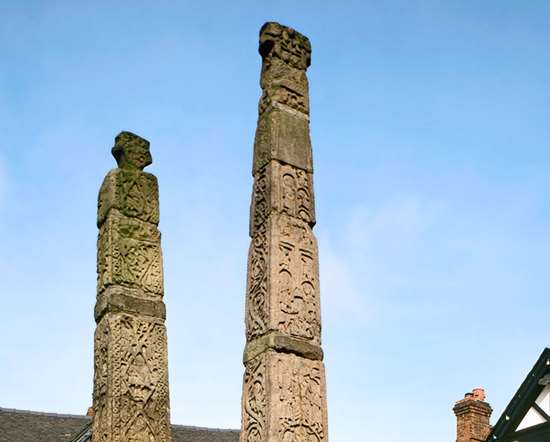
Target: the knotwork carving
(254, 402)
(261, 201)
(101, 380)
(257, 291)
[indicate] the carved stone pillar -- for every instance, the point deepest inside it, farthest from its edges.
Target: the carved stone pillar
(284, 397)
(130, 398)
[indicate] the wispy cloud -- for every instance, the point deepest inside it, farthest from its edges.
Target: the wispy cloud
(389, 227)
(342, 300)
(376, 251)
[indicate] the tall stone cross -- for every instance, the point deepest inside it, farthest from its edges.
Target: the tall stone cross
(284, 396)
(130, 398)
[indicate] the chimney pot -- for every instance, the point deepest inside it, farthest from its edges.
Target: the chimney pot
(479, 394)
(473, 417)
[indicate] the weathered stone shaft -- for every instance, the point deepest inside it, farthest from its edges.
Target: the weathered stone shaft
(130, 399)
(284, 396)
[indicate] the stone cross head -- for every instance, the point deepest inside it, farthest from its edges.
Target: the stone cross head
(131, 151)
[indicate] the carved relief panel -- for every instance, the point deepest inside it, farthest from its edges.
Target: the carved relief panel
(294, 279)
(285, 85)
(283, 189)
(131, 381)
(284, 400)
(129, 255)
(132, 192)
(283, 281)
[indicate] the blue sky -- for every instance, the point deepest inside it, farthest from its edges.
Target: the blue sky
(431, 134)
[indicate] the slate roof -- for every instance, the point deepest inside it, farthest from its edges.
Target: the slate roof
(32, 426)
(181, 433)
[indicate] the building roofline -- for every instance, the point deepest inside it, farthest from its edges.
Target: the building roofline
(42, 413)
(82, 416)
(194, 428)
(510, 416)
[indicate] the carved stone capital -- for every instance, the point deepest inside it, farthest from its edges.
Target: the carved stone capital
(285, 43)
(286, 54)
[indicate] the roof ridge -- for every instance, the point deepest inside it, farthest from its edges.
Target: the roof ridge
(193, 427)
(43, 413)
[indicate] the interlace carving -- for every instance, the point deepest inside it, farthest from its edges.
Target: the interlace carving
(254, 402)
(257, 291)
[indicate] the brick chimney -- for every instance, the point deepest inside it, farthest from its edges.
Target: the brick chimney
(472, 417)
